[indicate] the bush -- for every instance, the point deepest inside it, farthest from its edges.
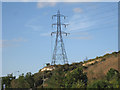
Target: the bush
(92, 63)
(100, 84)
(112, 73)
(115, 83)
(74, 76)
(47, 64)
(103, 59)
(21, 82)
(96, 62)
(97, 57)
(107, 55)
(85, 67)
(56, 79)
(7, 80)
(114, 53)
(78, 84)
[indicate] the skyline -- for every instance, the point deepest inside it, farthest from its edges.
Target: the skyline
(27, 26)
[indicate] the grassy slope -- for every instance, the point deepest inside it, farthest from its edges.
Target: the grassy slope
(94, 71)
(99, 70)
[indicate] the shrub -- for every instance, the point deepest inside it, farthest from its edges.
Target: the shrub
(112, 73)
(103, 59)
(47, 64)
(115, 83)
(92, 64)
(99, 84)
(85, 67)
(74, 76)
(78, 84)
(96, 62)
(7, 80)
(56, 79)
(106, 55)
(97, 57)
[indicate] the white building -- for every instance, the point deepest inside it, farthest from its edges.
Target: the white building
(48, 68)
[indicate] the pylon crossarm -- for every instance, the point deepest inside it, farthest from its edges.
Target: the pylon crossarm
(53, 33)
(65, 33)
(54, 24)
(65, 25)
(63, 16)
(53, 16)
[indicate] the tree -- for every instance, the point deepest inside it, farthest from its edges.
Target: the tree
(76, 76)
(112, 73)
(113, 76)
(47, 64)
(20, 82)
(78, 84)
(7, 80)
(29, 79)
(100, 84)
(57, 78)
(111, 80)
(38, 79)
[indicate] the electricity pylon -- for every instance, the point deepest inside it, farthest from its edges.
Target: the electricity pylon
(59, 53)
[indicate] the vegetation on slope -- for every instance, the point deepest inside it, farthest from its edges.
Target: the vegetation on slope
(72, 76)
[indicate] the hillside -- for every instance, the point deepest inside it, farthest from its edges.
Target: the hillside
(101, 66)
(96, 69)
(81, 74)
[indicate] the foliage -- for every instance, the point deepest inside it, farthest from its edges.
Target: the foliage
(29, 79)
(111, 80)
(62, 77)
(38, 79)
(115, 83)
(65, 76)
(97, 57)
(56, 80)
(78, 84)
(74, 76)
(115, 54)
(20, 82)
(7, 80)
(99, 84)
(26, 81)
(103, 59)
(47, 64)
(85, 67)
(112, 73)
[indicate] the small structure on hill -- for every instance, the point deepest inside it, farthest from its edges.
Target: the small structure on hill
(48, 68)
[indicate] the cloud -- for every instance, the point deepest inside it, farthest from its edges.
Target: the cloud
(79, 23)
(34, 24)
(77, 10)
(45, 34)
(45, 4)
(82, 37)
(33, 27)
(80, 33)
(6, 45)
(12, 42)
(17, 40)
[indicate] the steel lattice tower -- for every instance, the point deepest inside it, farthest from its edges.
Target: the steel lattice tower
(59, 53)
